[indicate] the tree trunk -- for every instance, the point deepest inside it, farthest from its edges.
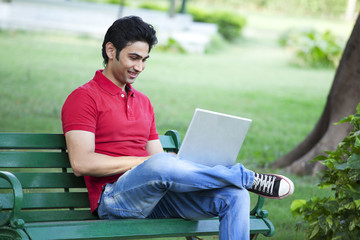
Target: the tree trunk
(350, 10)
(121, 8)
(172, 9)
(342, 100)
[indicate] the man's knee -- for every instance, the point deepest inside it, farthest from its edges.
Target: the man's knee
(166, 164)
(157, 163)
(237, 197)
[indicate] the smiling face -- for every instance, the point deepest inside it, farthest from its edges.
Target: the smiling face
(129, 64)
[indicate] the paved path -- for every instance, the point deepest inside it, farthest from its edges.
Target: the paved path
(94, 19)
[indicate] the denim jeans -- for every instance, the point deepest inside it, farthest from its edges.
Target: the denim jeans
(167, 187)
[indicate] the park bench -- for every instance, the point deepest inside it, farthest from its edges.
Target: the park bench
(40, 198)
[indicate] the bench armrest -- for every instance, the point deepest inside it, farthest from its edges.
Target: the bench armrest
(12, 218)
(257, 210)
(176, 138)
(263, 214)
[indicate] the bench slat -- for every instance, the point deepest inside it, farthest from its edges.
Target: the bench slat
(129, 229)
(34, 160)
(48, 200)
(32, 141)
(51, 215)
(46, 180)
(124, 229)
(52, 141)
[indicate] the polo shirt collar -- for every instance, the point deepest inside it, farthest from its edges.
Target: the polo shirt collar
(109, 86)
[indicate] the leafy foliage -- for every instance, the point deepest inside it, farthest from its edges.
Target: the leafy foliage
(154, 6)
(229, 24)
(338, 216)
(125, 2)
(171, 46)
(315, 8)
(312, 48)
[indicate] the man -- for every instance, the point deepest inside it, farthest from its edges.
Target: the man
(112, 141)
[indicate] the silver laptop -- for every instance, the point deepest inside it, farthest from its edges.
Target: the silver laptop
(213, 138)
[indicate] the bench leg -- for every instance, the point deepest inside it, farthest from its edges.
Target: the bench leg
(253, 236)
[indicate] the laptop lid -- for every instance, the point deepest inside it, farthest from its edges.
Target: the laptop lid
(213, 138)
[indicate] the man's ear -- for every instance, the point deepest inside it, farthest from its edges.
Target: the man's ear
(110, 50)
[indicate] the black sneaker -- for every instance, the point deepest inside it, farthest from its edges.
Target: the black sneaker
(272, 186)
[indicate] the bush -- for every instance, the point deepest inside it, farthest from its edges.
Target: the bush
(338, 216)
(108, 1)
(315, 8)
(171, 46)
(312, 48)
(230, 25)
(154, 6)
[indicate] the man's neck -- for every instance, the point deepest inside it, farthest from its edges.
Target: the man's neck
(109, 76)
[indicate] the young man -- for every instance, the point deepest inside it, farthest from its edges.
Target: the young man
(112, 141)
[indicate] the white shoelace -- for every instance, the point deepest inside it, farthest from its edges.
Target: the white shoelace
(264, 183)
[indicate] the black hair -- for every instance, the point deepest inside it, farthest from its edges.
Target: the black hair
(127, 30)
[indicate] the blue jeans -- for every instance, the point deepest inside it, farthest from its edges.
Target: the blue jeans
(166, 187)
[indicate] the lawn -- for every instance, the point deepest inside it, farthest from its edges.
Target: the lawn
(252, 79)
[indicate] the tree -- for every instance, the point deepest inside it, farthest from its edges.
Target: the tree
(121, 8)
(350, 10)
(342, 100)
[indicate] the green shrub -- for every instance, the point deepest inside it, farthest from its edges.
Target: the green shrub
(171, 46)
(198, 14)
(338, 216)
(315, 8)
(229, 24)
(109, 1)
(153, 6)
(312, 48)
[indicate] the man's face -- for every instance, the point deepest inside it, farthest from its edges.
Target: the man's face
(132, 61)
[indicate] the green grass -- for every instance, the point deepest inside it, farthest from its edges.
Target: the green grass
(252, 79)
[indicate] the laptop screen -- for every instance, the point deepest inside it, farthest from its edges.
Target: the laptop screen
(213, 138)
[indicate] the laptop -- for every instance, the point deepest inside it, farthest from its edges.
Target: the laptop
(213, 138)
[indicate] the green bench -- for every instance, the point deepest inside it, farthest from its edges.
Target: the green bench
(40, 198)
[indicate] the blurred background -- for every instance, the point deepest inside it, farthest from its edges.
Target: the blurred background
(269, 60)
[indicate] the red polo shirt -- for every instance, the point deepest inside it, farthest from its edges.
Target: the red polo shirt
(122, 126)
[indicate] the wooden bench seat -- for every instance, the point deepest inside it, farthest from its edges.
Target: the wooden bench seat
(40, 197)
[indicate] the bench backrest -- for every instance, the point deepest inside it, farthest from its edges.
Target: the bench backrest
(51, 192)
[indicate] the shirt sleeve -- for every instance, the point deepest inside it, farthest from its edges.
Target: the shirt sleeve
(153, 132)
(79, 112)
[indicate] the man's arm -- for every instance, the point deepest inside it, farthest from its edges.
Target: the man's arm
(153, 147)
(84, 160)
